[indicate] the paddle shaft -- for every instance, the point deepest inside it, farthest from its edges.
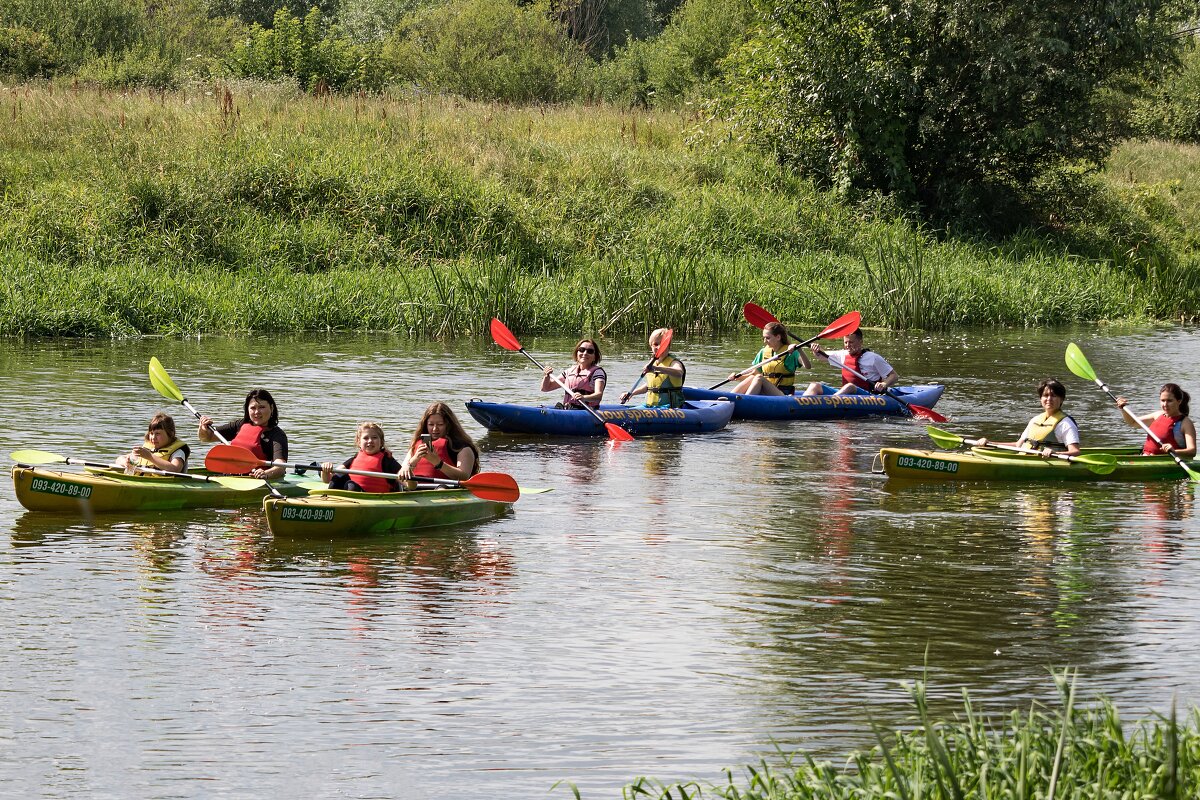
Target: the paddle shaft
(753, 367)
(1029, 450)
(79, 462)
(371, 474)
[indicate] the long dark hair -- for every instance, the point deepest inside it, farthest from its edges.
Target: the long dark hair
(265, 396)
(1179, 394)
(455, 435)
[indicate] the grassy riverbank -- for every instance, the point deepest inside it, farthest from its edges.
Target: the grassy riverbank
(1069, 752)
(264, 210)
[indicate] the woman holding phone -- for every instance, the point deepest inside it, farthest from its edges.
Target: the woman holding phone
(440, 448)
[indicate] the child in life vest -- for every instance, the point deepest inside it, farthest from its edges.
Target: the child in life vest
(160, 448)
(1171, 424)
(372, 456)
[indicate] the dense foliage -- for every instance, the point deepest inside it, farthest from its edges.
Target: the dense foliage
(947, 105)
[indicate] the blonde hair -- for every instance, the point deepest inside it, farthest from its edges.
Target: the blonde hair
(658, 333)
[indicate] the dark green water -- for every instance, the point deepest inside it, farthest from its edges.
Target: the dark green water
(673, 607)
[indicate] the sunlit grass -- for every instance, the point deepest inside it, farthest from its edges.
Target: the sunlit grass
(264, 209)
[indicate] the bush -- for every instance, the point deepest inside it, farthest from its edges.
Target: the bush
(309, 50)
(1172, 109)
(137, 68)
(684, 59)
(487, 50)
(25, 53)
(78, 29)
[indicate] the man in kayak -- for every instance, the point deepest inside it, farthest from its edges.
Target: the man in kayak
(1052, 431)
(879, 374)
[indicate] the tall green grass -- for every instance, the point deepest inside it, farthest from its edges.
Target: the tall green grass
(251, 207)
(1069, 752)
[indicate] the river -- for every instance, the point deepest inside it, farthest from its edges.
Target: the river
(673, 607)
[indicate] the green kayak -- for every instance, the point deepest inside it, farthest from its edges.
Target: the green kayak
(329, 513)
(981, 464)
(111, 490)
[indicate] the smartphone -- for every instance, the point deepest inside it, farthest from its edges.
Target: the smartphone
(427, 438)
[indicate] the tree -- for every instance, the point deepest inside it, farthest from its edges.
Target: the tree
(944, 103)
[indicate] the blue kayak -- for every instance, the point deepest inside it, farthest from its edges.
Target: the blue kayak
(821, 406)
(700, 416)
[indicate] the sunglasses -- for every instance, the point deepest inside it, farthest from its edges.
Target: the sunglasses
(586, 350)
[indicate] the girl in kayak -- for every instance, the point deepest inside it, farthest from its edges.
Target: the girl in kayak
(372, 456)
(777, 377)
(258, 431)
(1052, 431)
(440, 448)
(586, 378)
(160, 449)
(664, 378)
(1172, 424)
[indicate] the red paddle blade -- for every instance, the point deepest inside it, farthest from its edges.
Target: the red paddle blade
(504, 337)
(664, 344)
(921, 412)
(230, 459)
(617, 433)
(495, 486)
(758, 316)
(842, 326)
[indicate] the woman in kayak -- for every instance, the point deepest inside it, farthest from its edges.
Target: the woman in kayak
(1052, 431)
(160, 448)
(1172, 424)
(664, 378)
(585, 379)
(258, 431)
(879, 375)
(776, 377)
(440, 448)
(372, 456)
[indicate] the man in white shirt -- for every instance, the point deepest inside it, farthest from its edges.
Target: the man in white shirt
(876, 374)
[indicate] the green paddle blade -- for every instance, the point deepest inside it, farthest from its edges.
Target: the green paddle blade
(944, 439)
(162, 382)
(36, 457)
(1077, 362)
(1101, 464)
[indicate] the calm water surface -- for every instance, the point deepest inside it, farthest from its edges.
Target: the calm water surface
(673, 607)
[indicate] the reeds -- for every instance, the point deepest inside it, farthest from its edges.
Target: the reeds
(247, 207)
(1066, 753)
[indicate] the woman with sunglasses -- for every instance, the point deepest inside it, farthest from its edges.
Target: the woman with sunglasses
(585, 378)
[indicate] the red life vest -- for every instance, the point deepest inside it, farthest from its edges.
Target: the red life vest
(1164, 428)
(849, 377)
(370, 483)
(424, 469)
(249, 437)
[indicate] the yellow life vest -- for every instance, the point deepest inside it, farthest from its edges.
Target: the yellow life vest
(165, 453)
(665, 390)
(1041, 429)
(776, 372)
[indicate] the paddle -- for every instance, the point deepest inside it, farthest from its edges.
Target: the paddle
(1099, 463)
(918, 412)
(40, 457)
(664, 344)
(161, 381)
(842, 326)
(495, 486)
(502, 336)
(1077, 362)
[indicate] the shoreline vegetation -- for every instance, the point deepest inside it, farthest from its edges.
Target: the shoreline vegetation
(1073, 751)
(254, 207)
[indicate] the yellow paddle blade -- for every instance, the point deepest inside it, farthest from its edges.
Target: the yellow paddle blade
(1077, 362)
(238, 484)
(36, 457)
(162, 382)
(943, 439)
